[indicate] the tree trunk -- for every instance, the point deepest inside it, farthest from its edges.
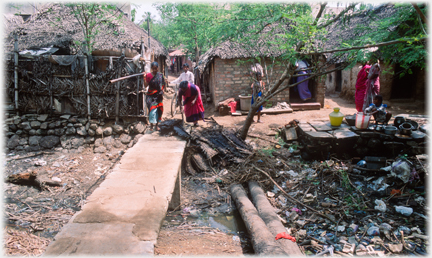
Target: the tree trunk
(248, 122)
(263, 241)
(267, 213)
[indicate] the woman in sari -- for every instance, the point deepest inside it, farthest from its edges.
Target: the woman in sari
(360, 86)
(154, 99)
(372, 85)
(192, 102)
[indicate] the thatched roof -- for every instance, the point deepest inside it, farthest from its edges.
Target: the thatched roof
(55, 25)
(355, 27)
(340, 31)
(234, 50)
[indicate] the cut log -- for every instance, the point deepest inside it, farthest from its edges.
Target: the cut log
(31, 178)
(267, 213)
(263, 241)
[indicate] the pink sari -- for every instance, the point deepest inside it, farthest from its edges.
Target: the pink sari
(372, 85)
(361, 87)
(193, 112)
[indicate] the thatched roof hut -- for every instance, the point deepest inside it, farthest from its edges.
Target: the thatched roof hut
(54, 25)
(354, 28)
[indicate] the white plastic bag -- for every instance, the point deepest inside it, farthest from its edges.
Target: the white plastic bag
(381, 206)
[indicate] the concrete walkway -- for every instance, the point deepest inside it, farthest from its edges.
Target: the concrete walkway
(124, 214)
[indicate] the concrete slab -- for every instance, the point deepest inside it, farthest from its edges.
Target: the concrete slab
(320, 135)
(305, 127)
(343, 134)
(305, 106)
(321, 126)
(125, 213)
(99, 239)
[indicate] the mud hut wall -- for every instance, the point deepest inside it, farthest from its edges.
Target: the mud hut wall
(231, 79)
(349, 79)
(330, 81)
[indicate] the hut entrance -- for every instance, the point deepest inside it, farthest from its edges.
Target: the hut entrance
(399, 88)
(294, 96)
(338, 79)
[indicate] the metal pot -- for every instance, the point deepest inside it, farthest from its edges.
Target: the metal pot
(398, 121)
(406, 128)
(379, 128)
(413, 123)
(390, 130)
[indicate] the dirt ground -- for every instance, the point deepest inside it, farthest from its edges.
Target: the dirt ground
(39, 214)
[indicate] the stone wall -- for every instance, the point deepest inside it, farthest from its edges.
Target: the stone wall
(33, 132)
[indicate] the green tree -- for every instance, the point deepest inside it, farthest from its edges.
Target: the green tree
(93, 17)
(289, 32)
(190, 25)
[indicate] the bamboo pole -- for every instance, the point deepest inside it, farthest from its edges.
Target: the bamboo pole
(126, 77)
(16, 72)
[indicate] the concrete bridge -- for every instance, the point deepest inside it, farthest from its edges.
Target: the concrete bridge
(124, 214)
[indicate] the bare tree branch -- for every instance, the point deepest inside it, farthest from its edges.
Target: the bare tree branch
(366, 46)
(420, 13)
(320, 12)
(350, 7)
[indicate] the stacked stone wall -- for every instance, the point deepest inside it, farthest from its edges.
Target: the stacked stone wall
(33, 132)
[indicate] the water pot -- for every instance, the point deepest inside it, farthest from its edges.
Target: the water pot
(336, 117)
(362, 120)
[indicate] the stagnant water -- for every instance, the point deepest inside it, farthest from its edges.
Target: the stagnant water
(230, 223)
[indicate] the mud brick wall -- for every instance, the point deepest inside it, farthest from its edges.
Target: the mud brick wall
(230, 79)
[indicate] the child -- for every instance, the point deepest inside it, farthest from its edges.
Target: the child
(378, 110)
(257, 88)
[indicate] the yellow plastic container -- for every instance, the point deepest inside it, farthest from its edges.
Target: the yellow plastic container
(336, 117)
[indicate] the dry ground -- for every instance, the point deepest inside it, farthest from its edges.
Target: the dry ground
(39, 215)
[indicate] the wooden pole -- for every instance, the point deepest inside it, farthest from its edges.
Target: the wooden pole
(126, 77)
(87, 86)
(263, 241)
(144, 87)
(117, 106)
(267, 213)
(16, 72)
(138, 80)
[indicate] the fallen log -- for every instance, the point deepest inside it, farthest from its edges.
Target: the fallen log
(269, 216)
(31, 178)
(263, 241)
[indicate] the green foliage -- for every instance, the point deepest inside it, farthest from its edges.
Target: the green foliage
(190, 25)
(92, 17)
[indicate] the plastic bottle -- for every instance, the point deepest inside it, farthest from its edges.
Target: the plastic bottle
(407, 211)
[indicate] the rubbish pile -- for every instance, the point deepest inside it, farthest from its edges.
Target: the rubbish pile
(374, 206)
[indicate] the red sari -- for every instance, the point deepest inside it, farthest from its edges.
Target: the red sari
(360, 87)
(193, 112)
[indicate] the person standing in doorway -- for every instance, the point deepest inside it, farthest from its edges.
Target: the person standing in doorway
(154, 100)
(303, 88)
(185, 76)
